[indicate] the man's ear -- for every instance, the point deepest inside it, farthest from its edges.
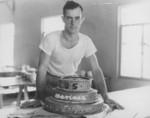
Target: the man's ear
(83, 18)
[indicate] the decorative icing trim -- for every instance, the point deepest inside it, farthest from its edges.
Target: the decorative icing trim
(67, 97)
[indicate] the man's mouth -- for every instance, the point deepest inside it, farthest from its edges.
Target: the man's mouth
(72, 27)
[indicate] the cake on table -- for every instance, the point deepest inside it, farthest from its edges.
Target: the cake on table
(74, 96)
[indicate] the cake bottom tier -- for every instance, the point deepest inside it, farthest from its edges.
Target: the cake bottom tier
(54, 106)
(77, 97)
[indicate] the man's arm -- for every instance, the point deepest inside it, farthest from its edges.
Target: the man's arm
(40, 82)
(41, 75)
(99, 82)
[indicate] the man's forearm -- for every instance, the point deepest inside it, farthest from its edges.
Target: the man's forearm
(40, 84)
(100, 84)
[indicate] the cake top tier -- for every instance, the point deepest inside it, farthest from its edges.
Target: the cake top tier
(77, 78)
(71, 83)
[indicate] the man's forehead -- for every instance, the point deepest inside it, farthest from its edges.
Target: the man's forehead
(73, 12)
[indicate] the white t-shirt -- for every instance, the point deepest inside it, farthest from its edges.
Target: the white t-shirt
(63, 61)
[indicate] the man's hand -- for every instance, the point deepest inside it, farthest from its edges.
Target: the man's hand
(113, 104)
(33, 103)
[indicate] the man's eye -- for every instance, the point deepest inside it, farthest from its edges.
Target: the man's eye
(78, 18)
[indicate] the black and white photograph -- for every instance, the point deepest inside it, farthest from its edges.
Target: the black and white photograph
(74, 58)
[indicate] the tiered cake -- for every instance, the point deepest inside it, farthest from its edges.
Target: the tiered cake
(74, 96)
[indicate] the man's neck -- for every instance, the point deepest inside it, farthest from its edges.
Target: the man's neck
(70, 37)
(68, 40)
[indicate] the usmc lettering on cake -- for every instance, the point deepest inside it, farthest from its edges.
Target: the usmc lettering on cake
(67, 97)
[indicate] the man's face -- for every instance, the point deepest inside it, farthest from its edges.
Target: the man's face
(73, 20)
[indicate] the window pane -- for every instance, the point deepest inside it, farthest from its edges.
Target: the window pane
(135, 13)
(51, 24)
(131, 51)
(7, 44)
(146, 56)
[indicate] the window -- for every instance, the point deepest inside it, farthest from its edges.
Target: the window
(50, 24)
(135, 40)
(7, 44)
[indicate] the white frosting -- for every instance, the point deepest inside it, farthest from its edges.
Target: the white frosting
(67, 97)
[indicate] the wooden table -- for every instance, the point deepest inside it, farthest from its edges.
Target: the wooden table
(14, 81)
(136, 102)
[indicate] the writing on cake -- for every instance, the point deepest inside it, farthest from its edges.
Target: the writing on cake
(67, 97)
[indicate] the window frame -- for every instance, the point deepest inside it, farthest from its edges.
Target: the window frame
(120, 27)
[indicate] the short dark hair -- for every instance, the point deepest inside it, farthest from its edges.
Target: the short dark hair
(71, 5)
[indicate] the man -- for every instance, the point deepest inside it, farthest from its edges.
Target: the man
(62, 52)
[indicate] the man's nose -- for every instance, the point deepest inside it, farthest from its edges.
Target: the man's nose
(72, 21)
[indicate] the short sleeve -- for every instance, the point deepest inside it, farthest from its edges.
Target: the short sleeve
(47, 44)
(90, 48)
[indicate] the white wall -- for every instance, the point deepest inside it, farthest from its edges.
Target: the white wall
(100, 24)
